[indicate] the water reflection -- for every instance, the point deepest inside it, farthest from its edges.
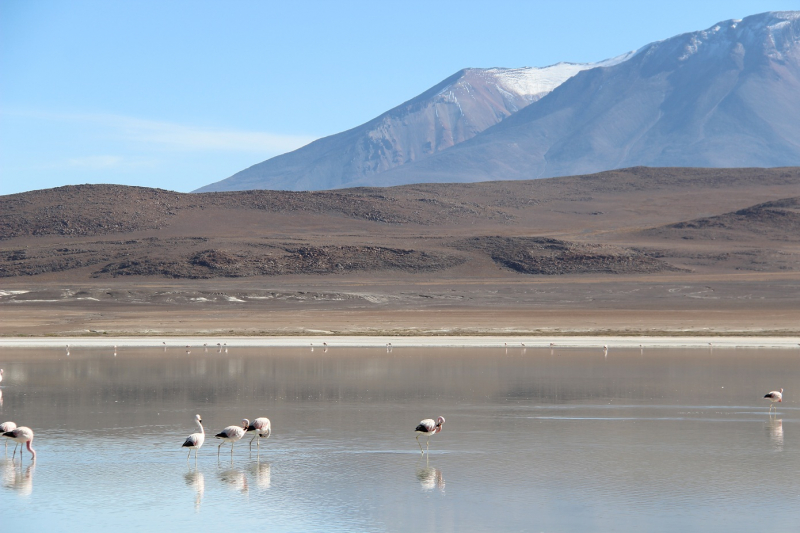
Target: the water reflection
(17, 479)
(430, 478)
(775, 431)
(197, 481)
(262, 473)
(627, 441)
(235, 479)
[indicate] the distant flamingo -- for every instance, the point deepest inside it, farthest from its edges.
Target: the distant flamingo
(774, 396)
(195, 440)
(232, 434)
(1, 375)
(262, 428)
(428, 427)
(6, 427)
(22, 435)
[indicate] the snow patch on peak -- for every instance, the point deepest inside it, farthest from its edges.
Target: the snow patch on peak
(533, 83)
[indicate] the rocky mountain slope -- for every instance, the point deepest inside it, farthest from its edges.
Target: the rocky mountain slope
(451, 112)
(723, 97)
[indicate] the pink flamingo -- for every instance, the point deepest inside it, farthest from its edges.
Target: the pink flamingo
(262, 428)
(7, 427)
(232, 434)
(195, 440)
(22, 435)
(774, 396)
(428, 427)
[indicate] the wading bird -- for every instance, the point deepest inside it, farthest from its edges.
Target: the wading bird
(232, 434)
(21, 435)
(6, 427)
(195, 440)
(1, 375)
(774, 396)
(262, 428)
(428, 427)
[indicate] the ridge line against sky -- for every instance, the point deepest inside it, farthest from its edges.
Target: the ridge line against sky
(181, 94)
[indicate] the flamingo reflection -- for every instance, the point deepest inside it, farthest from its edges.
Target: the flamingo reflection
(775, 431)
(235, 479)
(430, 478)
(262, 473)
(18, 480)
(197, 481)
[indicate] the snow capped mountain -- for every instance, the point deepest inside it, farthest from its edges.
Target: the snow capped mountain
(449, 113)
(728, 96)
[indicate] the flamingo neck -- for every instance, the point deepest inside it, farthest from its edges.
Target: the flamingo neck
(203, 431)
(33, 452)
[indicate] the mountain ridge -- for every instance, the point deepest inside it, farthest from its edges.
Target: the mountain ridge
(452, 111)
(720, 97)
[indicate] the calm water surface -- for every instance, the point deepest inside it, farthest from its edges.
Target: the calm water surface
(568, 440)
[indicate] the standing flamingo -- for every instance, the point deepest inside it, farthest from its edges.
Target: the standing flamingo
(195, 440)
(774, 396)
(262, 428)
(7, 427)
(1, 375)
(428, 427)
(22, 435)
(232, 434)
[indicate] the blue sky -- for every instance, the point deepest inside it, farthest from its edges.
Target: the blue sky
(179, 94)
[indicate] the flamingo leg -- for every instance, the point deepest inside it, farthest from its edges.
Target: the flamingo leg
(219, 447)
(420, 445)
(251, 441)
(428, 445)
(188, 454)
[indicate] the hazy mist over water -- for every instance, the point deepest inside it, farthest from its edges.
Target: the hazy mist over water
(535, 440)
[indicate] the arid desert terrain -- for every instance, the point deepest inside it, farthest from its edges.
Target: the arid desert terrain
(635, 251)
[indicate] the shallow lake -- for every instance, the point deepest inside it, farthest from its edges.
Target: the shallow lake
(534, 440)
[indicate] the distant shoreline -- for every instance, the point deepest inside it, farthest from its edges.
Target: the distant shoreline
(334, 341)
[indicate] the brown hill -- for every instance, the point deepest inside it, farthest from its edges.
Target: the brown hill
(618, 244)
(418, 228)
(778, 220)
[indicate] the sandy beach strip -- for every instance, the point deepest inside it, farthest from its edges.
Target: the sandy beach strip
(409, 341)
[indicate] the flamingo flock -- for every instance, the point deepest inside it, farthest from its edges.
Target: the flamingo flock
(262, 427)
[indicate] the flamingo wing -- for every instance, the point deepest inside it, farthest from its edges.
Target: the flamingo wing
(426, 426)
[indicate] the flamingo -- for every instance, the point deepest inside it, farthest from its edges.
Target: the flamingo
(6, 427)
(774, 396)
(262, 427)
(195, 440)
(21, 435)
(232, 434)
(1, 375)
(428, 427)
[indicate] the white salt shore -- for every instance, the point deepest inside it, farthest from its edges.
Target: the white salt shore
(419, 342)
